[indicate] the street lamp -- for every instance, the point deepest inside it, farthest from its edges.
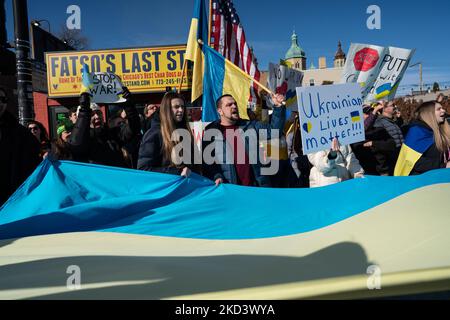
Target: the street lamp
(420, 75)
(37, 23)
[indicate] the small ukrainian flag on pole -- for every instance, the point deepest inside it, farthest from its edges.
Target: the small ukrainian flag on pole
(86, 83)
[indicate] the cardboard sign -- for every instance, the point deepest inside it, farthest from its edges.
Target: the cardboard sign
(105, 87)
(378, 70)
(285, 80)
(327, 112)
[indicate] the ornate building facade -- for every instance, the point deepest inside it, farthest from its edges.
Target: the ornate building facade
(313, 76)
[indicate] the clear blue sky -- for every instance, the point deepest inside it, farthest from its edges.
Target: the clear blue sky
(268, 26)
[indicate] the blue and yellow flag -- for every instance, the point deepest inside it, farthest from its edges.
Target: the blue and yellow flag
(417, 141)
(87, 81)
(223, 77)
(147, 235)
(198, 31)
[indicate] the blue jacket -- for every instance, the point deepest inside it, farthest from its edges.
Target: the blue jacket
(227, 171)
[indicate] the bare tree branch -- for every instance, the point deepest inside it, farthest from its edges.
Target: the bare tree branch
(74, 38)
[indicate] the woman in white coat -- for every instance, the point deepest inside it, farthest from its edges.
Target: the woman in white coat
(336, 165)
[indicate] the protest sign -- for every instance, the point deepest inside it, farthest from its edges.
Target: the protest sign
(284, 80)
(105, 87)
(150, 69)
(378, 70)
(328, 112)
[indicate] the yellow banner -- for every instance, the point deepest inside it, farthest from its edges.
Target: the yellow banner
(140, 69)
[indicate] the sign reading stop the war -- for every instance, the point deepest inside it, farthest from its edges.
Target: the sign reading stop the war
(105, 87)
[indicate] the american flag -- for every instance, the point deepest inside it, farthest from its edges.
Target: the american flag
(228, 38)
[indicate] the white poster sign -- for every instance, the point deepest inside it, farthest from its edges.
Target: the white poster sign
(378, 70)
(327, 112)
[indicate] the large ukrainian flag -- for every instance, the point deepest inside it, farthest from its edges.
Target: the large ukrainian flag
(417, 141)
(198, 31)
(223, 77)
(146, 235)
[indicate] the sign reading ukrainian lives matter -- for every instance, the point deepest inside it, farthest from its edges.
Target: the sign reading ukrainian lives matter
(327, 112)
(378, 70)
(284, 80)
(105, 87)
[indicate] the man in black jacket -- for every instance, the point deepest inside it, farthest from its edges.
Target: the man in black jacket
(93, 141)
(19, 152)
(376, 154)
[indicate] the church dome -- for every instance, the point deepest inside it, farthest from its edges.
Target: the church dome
(295, 51)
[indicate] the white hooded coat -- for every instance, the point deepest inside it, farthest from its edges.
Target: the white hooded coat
(327, 171)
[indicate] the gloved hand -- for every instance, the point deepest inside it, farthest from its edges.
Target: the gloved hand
(126, 93)
(85, 101)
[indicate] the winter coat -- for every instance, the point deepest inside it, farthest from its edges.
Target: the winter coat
(328, 171)
(104, 145)
(151, 152)
(227, 171)
(391, 127)
(298, 161)
(380, 158)
(19, 155)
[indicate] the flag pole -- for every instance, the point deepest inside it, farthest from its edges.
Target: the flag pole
(182, 76)
(248, 76)
(245, 74)
(210, 22)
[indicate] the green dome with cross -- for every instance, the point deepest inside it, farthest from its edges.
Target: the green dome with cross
(295, 51)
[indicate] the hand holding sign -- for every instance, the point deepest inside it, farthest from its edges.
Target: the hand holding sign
(335, 145)
(277, 99)
(126, 94)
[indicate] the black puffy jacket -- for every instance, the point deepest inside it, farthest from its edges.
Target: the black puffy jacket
(19, 155)
(381, 157)
(105, 145)
(151, 152)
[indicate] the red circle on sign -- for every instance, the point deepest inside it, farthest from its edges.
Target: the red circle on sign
(365, 59)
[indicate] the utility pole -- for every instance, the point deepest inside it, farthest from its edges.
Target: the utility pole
(23, 62)
(420, 75)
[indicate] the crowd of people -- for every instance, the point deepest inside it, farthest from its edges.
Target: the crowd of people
(152, 142)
